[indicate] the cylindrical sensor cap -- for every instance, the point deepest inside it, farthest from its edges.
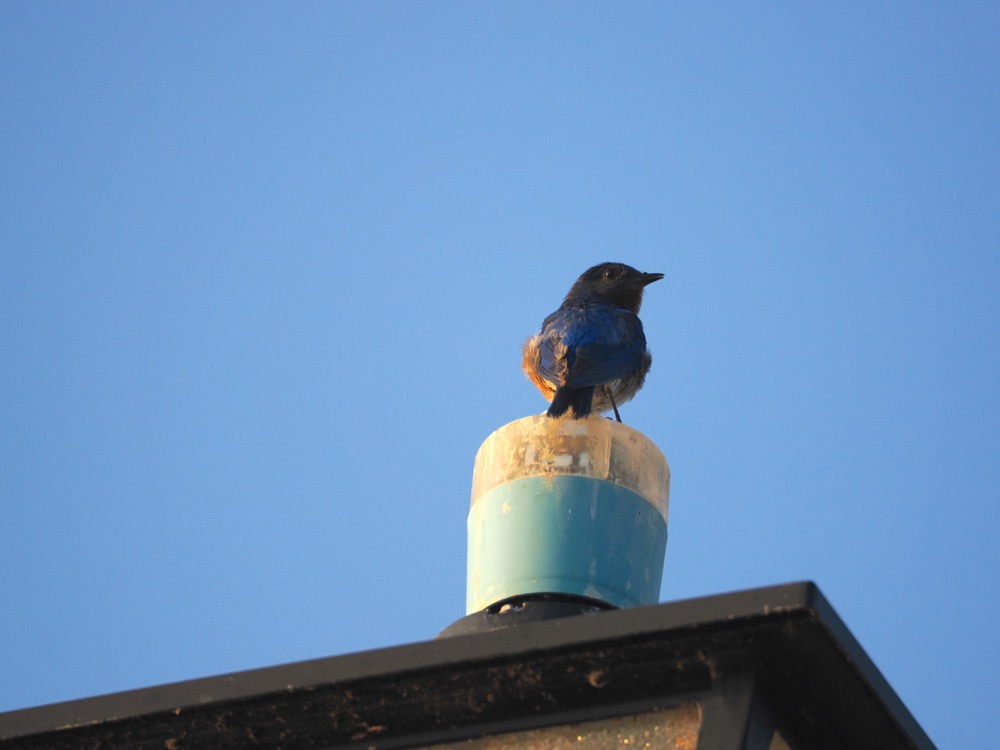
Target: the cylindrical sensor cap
(564, 506)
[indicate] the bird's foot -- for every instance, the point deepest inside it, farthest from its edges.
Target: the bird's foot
(614, 406)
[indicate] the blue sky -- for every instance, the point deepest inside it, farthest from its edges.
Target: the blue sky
(265, 270)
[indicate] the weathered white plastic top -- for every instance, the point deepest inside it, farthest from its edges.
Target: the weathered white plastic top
(592, 447)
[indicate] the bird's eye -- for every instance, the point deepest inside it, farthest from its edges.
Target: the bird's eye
(608, 273)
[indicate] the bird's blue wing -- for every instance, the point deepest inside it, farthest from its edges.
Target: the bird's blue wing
(589, 346)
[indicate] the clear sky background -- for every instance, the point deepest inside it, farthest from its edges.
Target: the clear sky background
(265, 271)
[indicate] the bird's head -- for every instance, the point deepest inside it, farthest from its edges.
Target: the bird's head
(613, 282)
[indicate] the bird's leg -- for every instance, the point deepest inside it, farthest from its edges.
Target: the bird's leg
(611, 398)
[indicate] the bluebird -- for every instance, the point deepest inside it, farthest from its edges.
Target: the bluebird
(591, 353)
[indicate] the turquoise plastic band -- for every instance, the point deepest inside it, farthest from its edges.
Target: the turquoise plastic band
(564, 534)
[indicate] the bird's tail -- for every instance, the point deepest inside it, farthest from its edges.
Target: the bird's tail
(580, 400)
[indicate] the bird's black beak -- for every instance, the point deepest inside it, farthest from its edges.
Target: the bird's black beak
(649, 278)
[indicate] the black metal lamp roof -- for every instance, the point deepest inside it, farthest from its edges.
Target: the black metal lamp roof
(783, 647)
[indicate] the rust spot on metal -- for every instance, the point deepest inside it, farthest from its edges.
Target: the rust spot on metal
(596, 678)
